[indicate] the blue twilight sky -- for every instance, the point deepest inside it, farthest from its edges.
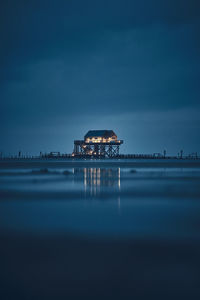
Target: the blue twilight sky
(68, 66)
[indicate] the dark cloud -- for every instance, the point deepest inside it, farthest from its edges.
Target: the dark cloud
(65, 61)
(42, 28)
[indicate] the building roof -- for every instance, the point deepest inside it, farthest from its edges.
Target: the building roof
(99, 133)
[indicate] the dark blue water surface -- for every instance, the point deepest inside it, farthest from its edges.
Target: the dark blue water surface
(92, 232)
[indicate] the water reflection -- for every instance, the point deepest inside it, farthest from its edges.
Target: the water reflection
(96, 180)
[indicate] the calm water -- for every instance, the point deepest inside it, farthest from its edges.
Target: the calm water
(131, 202)
(137, 208)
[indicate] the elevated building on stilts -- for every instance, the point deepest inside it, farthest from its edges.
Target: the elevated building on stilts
(98, 143)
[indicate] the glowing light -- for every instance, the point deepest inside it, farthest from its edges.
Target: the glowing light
(99, 139)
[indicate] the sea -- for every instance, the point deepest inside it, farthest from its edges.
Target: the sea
(99, 229)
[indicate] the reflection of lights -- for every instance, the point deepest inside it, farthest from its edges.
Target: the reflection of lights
(96, 179)
(119, 183)
(85, 178)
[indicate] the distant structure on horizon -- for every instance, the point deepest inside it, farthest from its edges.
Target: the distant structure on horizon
(98, 143)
